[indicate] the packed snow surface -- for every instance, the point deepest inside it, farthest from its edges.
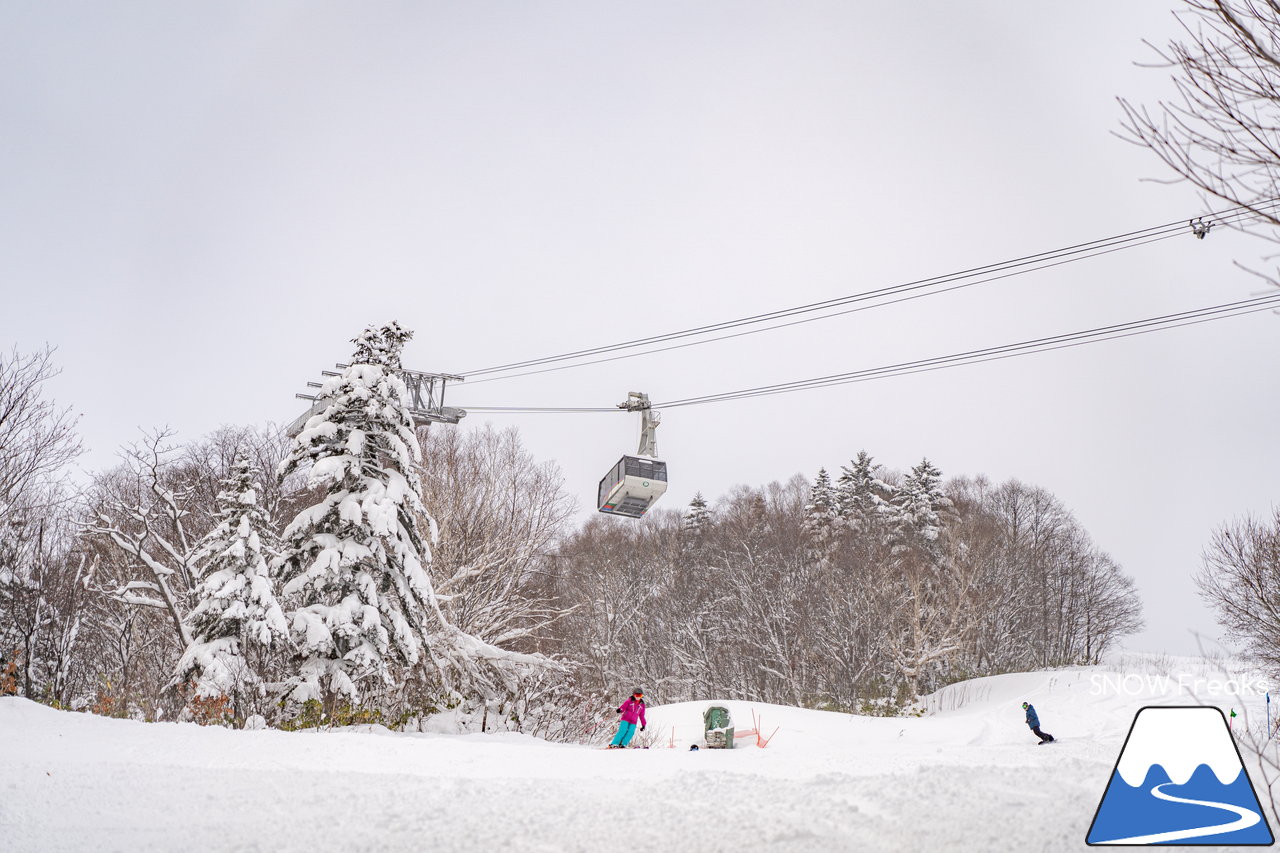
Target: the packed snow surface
(968, 775)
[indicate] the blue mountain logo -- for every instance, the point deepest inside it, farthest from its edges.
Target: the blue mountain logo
(1179, 780)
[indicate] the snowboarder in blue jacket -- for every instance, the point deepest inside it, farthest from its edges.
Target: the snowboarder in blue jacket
(1033, 723)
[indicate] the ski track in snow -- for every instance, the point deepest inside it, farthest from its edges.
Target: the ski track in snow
(1245, 818)
(968, 778)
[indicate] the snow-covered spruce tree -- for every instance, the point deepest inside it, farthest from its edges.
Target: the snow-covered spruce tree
(862, 499)
(921, 508)
(354, 562)
(236, 619)
(820, 517)
(932, 620)
(696, 518)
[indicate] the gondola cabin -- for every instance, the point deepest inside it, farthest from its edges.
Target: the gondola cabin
(632, 486)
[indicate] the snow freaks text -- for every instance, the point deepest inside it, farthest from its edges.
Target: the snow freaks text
(1135, 684)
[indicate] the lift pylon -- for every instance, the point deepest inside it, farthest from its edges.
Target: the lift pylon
(425, 392)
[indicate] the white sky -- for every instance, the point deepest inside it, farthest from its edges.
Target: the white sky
(201, 205)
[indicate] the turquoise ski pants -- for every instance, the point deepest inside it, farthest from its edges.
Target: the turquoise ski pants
(626, 731)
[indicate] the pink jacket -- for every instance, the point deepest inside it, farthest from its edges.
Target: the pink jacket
(633, 711)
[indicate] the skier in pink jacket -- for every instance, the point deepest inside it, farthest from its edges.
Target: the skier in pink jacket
(632, 712)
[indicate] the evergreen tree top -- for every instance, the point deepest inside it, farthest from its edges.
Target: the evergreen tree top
(860, 483)
(925, 478)
(821, 495)
(698, 515)
(362, 415)
(381, 345)
(923, 507)
(239, 493)
(241, 483)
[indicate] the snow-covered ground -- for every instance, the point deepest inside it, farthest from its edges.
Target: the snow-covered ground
(966, 776)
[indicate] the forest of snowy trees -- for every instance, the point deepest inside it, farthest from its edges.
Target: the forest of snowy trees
(367, 571)
(858, 593)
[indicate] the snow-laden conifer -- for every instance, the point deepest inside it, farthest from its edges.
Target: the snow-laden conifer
(696, 517)
(236, 618)
(820, 511)
(355, 561)
(921, 507)
(863, 500)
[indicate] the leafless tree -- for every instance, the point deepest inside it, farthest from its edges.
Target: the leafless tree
(499, 513)
(142, 508)
(610, 576)
(1240, 579)
(37, 443)
(932, 618)
(33, 603)
(37, 439)
(763, 555)
(1110, 606)
(1221, 131)
(997, 640)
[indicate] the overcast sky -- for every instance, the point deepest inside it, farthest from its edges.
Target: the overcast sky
(200, 204)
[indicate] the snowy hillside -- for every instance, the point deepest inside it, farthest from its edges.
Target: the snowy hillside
(968, 776)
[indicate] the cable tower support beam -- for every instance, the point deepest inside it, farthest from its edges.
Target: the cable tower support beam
(425, 393)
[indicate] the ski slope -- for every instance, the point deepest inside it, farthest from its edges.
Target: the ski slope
(965, 776)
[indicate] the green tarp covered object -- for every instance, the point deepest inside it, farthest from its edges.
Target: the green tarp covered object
(718, 727)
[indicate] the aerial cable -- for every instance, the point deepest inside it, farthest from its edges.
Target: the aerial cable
(1091, 249)
(1109, 336)
(1071, 339)
(1000, 357)
(1087, 336)
(1063, 255)
(556, 410)
(881, 304)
